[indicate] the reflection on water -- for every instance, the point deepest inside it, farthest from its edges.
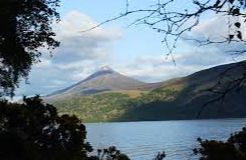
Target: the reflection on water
(143, 140)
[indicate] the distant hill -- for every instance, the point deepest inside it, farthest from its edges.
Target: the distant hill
(104, 80)
(111, 96)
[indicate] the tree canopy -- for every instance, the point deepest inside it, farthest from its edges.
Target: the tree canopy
(25, 28)
(34, 130)
(232, 149)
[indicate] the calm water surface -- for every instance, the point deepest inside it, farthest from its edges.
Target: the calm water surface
(143, 140)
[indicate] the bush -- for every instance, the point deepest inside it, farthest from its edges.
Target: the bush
(34, 131)
(233, 149)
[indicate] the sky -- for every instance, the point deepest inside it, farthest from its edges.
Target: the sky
(135, 50)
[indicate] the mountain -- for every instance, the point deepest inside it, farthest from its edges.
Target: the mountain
(179, 98)
(104, 80)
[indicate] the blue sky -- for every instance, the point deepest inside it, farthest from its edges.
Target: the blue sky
(136, 51)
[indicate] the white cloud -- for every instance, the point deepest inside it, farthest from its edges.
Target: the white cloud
(218, 28)
(79, 54)
(79, 46)
(44, 63)
(158, 68)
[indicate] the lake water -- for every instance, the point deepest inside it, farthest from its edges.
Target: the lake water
(143, 140)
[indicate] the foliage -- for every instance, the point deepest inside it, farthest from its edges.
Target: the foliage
(233, 149)
(109, 154)
(26, 26)
(101, 107)
(160, 156)
(112, 106)
(33, 130)
(112, 153)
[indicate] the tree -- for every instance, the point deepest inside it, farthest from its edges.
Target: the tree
(233, 149)
(34, 130)
(110, 153)
(25, 27)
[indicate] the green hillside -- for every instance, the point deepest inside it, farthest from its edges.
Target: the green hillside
(102, 107)
(181, 98)
(117, 106)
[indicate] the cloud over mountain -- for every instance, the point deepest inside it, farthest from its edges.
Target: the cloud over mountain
(79, 52)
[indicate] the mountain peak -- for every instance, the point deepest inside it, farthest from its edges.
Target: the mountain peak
(105, 79)
(105, 68)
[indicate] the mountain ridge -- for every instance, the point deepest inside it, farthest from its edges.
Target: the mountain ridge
(178, 98)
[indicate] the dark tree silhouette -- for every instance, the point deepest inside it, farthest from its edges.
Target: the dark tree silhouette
(34, 130)
(232, 149)
(110, 153)
(25, 27)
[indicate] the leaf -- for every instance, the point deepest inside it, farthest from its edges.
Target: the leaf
(231, 1)
(238, 24)
(241, 2)
(231, 36)
(217, 3)
(231, 9)
(196, 2)
(236, 11)
(239, 35)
